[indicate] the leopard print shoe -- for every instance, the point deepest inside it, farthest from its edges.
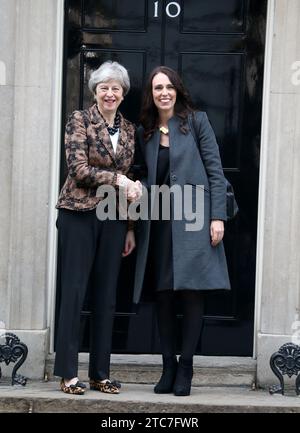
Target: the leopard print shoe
(77, 389)
(107, 386)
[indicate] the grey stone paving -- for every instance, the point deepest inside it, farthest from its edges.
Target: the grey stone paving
(39, 396)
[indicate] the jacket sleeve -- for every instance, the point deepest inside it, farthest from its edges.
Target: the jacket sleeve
(210, 154)
(76, 147)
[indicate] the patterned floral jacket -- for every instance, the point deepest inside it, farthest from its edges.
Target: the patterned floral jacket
(91, 159)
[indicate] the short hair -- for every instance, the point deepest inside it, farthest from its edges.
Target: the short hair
(110, 71)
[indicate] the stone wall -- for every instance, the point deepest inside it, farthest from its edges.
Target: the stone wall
(278, 264)
(29, 29)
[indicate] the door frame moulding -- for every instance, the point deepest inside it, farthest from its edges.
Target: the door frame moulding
(265, 126)
(55, 145)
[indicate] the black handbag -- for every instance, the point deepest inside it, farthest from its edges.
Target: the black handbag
(231, 204)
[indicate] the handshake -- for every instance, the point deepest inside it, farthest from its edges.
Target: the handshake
(133, 189)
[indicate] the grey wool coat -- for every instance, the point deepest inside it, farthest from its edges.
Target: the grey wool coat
(197, 265)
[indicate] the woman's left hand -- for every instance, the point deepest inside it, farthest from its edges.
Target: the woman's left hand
(216, 231)
(129, 243)
(134, 191)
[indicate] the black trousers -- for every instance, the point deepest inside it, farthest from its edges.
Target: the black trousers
(90, 255)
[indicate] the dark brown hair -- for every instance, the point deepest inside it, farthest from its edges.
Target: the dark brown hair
(183, 106)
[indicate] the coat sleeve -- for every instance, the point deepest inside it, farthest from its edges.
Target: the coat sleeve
(210, 155)
(76, 147)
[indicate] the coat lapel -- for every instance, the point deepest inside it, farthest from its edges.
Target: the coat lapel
(101, 131)
(151, 155)
(175, 140)
(123, 139)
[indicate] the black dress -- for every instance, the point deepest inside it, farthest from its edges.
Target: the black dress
(160, 263)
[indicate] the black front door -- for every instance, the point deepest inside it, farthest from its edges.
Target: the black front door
(218, 48)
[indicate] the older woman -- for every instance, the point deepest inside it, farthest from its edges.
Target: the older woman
(99, 146)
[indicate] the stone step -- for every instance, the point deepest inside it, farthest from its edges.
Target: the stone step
(146, 369)
(45, 397)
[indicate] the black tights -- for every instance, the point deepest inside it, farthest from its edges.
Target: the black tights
(192, 306)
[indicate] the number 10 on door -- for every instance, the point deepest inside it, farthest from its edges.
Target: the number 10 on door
(173, 9)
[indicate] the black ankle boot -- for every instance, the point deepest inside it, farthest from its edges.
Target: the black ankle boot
(166, 382)
(183, 381)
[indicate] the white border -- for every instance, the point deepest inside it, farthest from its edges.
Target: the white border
(56, 110)
(263, 170)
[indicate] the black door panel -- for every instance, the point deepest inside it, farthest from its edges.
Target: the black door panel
(118, 15)
(213, 16)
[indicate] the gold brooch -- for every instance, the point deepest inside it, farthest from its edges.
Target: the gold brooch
(164, 130)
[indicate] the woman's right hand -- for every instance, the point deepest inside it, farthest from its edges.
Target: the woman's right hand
(133, 189)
